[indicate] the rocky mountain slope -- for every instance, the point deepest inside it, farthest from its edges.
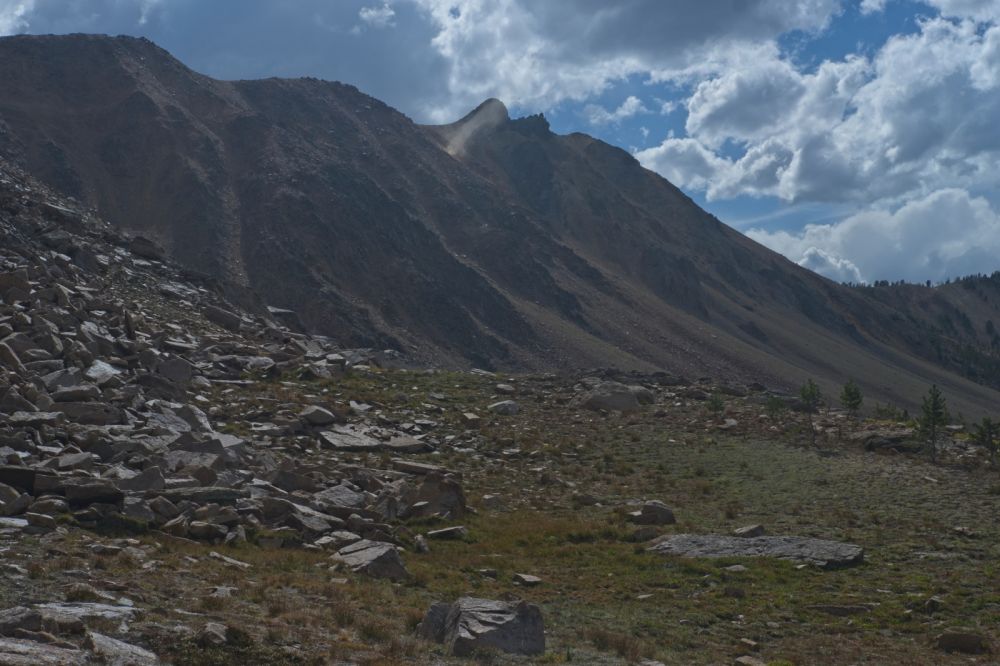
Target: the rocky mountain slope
(184, 481)
(491, 242)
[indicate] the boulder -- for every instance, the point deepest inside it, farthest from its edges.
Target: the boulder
(337, 539)
(204, 531)
(78, 393)
(35, 419)
(642, 394)
(749, 531)
(471, 625)
(50, 506)
(652, 512)
(435, 622)
(823, 553)
(966, 642)
(41, 520)
(70, 461)
(437, 495)
(407, 444)
(611, 397)
(150, 478)
(93, 491)
(338, 497)
(505, 408)
(292, 481)
(10, 360)
(349, 439)
(317, 416)
(224, 318)
(89, 413)
(12, 501)
(204, 495)
(114, 652)
(213, 634)
(146, 248)
(22, 478)
(176, 370)
(101, 373)
(21, 652)
(527, 580)
(76, 613)
(374, 558)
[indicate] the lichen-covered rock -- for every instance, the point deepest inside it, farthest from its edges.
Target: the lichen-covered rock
(821, 552)
(20, 652)
(114, 652)
(470, 625)
(374, 558)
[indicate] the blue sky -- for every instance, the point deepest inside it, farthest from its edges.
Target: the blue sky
(857, 137)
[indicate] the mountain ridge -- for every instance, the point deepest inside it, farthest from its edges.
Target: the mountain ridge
(490, 241)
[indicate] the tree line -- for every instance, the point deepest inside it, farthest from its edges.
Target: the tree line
(931, 421)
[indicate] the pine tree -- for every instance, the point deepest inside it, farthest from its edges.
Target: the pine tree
(851, 397)
(986, 434)
(811, 397)
(716, 405)
(933, 416)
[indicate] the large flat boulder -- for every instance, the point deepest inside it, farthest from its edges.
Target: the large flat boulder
(22, 478)
(471, 625)
(821, 552)
(114, 652)
(20, 652)
(374, 558)
(205, 495)
(86, 612)
(84, 492)
(349, 439)
(435, 494)
(611, 397)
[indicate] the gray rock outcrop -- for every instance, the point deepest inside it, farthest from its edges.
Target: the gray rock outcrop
(821, 552)
(470, 625)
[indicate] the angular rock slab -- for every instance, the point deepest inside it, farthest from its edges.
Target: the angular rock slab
(821, 552)
(349, 440)
(114, 652)
(470, 625)
(87, 612)
(20, 652)
(653, 512)
(374, 558)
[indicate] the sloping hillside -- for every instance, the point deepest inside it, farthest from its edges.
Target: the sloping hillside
(490, 242)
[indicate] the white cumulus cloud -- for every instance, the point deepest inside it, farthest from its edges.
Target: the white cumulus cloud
(378, 16)
(684, 162)
(538, 54)
(872, 6)
(598, 115)
(944, 234)
(917, 117)
(14, 15)
(981, 10)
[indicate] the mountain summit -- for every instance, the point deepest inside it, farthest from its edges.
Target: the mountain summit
(491, 241)
(487, 116)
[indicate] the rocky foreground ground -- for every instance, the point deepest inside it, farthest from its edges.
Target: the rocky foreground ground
(183, 481)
